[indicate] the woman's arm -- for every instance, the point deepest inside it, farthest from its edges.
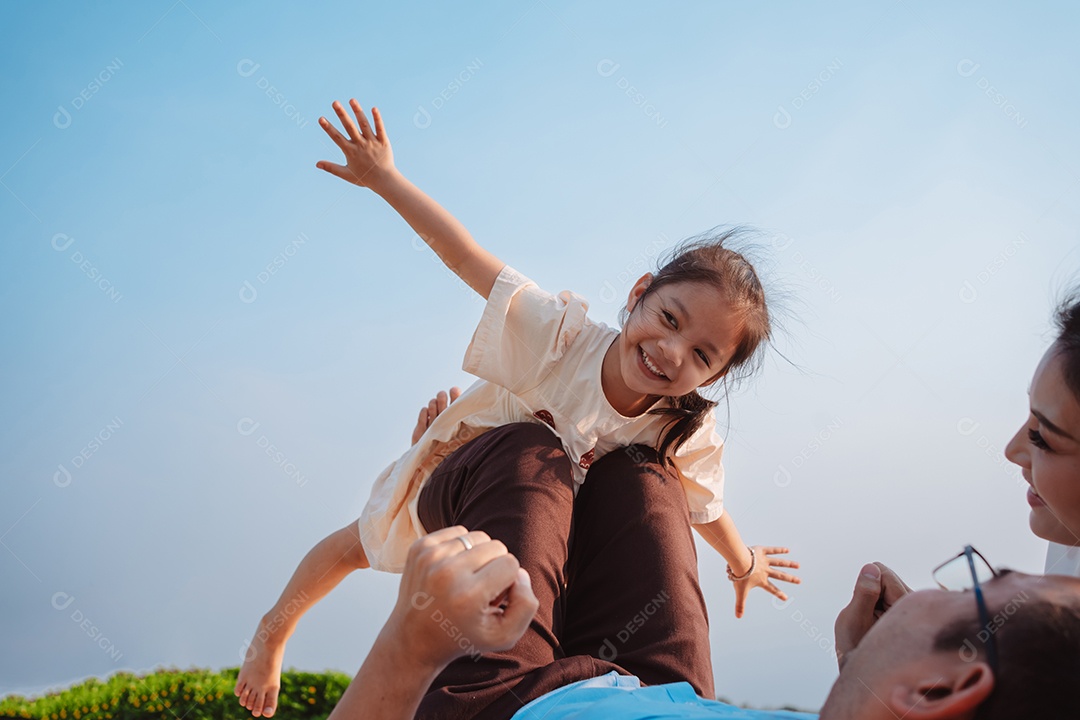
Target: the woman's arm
(370, 163)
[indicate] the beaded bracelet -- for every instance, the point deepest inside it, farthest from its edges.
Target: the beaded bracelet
(753, 561)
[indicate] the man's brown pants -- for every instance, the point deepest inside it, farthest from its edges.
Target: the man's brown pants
(615, 570)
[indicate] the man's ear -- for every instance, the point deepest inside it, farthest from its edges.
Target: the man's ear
(638, 290)
(939, 693)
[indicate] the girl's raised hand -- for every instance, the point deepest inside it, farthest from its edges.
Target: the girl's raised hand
(432, 410)
(765, 571)
(368, 156)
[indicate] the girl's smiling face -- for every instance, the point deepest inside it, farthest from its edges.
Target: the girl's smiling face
(1047, 448)
(678, 338)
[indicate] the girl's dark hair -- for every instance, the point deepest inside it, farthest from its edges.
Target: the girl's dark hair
(1067, 319)
(707, 258)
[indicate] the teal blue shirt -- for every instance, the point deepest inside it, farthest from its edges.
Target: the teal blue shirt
(621, 697)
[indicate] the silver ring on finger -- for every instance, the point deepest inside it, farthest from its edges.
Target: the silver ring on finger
(466, 542)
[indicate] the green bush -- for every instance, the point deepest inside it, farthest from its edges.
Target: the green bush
(171, 694)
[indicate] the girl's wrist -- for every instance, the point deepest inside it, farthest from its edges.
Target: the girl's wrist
(747, 568)
(380, 180)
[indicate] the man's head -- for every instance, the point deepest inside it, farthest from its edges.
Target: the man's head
(926, 657)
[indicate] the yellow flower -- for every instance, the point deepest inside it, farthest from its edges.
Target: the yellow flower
(311, 689)
(76, 714)
(186, 696)
(94, 708)
(168, 704)
(311, 701)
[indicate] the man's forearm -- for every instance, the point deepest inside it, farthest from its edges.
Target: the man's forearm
(388, 686)
(413, 648)
(441, 231)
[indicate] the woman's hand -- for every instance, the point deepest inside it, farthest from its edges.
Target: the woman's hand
(368, 155)
(432, 410)
(765, 571)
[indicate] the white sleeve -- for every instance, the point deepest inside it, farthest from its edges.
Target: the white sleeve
(523, 332)
(698, 461)
(1062, 560)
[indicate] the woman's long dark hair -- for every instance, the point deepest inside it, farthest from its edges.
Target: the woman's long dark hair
(707, 258)
(1067, 342)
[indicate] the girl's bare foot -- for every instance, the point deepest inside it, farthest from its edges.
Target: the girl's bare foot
(259, 680)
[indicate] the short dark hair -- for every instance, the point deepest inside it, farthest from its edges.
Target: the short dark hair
(1067, 343)
(1038, 659)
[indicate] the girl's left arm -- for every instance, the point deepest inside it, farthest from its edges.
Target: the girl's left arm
(722, 534)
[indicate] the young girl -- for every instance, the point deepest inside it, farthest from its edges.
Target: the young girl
(540, 359)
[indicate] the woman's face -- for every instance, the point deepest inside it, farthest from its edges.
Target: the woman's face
(1047, 448)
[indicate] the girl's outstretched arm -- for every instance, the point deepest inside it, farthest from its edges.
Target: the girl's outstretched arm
(722, 534)
(370, 163)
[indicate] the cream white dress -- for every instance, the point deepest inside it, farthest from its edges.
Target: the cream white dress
(538, 357)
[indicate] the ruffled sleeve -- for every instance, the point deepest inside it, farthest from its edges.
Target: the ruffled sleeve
(699, 464)
(523, 332)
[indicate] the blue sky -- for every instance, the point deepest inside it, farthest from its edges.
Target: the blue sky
(912, 167)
